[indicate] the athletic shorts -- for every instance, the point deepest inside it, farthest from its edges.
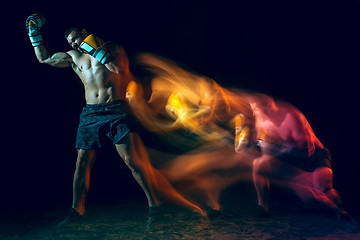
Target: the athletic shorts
(101, 121)
(299, 157)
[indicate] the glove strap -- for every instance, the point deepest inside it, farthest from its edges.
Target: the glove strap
(87, 48)
(102, 55)
(36, 40)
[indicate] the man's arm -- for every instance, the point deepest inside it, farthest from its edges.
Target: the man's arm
(60, 59)
(111, 55)
(119, 62)
(33, 25)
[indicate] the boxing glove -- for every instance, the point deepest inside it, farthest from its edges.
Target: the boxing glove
(33, 24)
(132, 91)
(91, 46)
(242, 133)
(177, 108)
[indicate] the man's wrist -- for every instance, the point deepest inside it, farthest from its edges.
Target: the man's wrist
(36, 40)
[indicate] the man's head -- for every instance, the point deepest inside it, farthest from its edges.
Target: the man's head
(75, 36)
(263, 104)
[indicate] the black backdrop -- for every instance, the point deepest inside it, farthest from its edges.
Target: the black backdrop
(304, 52)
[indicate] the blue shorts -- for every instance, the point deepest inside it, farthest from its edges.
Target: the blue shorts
(101, 121)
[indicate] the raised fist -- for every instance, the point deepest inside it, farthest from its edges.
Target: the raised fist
(33, 24)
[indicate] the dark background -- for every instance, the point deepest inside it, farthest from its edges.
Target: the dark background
(304, 52)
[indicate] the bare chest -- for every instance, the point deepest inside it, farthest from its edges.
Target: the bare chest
(89, 69)
(85, 63)
(277, 129)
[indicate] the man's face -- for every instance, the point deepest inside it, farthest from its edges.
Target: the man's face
(256, 109)
(75, 39)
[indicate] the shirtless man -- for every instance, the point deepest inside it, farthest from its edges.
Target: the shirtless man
(103, 68)
(292, 156)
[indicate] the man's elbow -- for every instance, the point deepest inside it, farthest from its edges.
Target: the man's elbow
(43, 61)
(119, 70)
(47, 62)
(114, 68)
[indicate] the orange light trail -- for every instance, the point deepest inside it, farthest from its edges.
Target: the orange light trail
(219, 129)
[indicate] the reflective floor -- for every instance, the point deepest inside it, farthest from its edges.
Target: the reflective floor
(131, 220)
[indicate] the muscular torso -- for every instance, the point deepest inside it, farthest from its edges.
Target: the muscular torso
(282, 127)
(285, 130)
(101, 85)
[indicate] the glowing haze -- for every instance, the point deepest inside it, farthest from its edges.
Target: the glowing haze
(218, 128)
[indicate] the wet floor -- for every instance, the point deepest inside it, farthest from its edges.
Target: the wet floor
(131, 220)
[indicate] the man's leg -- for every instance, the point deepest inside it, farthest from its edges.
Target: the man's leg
(323, 182)
(81, 183)
(134, 154)
(261, 169)
(139, 170)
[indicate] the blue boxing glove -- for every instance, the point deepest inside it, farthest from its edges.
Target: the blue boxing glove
(33, 24)
(91, 46)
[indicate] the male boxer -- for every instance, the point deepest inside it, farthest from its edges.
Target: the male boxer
(291, 155)
(103, 68)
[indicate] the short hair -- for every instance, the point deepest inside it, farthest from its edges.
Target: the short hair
(69, 30)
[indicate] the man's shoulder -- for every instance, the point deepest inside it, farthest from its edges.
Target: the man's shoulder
(112, 46)
(74, 53)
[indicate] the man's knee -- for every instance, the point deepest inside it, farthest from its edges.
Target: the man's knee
(323, 179)
(84, 158)
(133, 165)
(261, 165)
(124, 152)
(128, 160)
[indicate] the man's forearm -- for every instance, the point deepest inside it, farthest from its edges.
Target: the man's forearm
(41, 53)
(60, 59)
(92, 46)
(33, 24)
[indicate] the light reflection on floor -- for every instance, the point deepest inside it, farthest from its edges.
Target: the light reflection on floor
(131, 220)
